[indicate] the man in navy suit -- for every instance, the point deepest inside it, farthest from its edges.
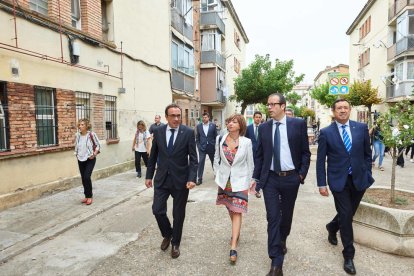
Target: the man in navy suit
(281, 164)
(206, 133)
(346, 146)
(252, 133)
(174, 145)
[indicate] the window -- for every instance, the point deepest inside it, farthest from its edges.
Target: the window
(182, 58)
(365, 28)
(236, 39)
(220, 79)
(236, 65)
(107, 14)
(399, 71)
(211, 5)
(45, 110)
(187, 11)
(210, 40)
(83, 106)
(75, 14)
(174, 55)
(364, 58)
(39, 6)
(410, 70)
(4, 124)
(110, 118)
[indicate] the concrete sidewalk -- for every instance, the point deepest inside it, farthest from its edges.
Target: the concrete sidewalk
(206, 231)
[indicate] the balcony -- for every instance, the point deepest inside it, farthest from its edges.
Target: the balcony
(214, 57)
(182, 82)
(398, 6)
(210, 20)
(220, 97)
(403, 45)
(178, 23)
(401, 90)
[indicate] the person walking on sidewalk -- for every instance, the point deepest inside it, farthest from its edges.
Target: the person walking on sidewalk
(252, 133)
(87, 148)
(141, 145)
(157, 123)
(346, 145)
(174, 145)
(379, 147)
(281, 164)
(206, 133)
(233, 166)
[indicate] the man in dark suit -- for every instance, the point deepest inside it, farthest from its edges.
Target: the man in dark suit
(281, 164)
(346, 144)
(252, 133)
(174, 145)
(206, 133)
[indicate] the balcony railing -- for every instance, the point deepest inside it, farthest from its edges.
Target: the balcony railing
(178, 23)
(391, 52)
(220, 96)
(400, 90)
(182, 82)
(212, 18)
(398, 6)
(402, 45)
(213, 56)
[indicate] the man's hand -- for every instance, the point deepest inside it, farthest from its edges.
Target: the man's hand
(190, 185)
(148, 183)
(324, 191)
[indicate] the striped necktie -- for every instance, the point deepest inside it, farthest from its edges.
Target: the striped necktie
(347, 143)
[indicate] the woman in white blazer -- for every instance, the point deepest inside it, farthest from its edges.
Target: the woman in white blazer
(233, 167)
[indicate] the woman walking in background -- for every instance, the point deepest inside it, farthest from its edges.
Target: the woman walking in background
(87, 148)
(379, 147)
(141, 146)
(233, 166)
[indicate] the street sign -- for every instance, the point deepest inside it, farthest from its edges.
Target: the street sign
(338, 83)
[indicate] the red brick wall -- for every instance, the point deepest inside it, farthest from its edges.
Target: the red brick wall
(97, 115)
(65, 11)
(66, 116)
(91, 17)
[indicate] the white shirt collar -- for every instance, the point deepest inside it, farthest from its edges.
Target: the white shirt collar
(283, 121)
(168, 128)
(340, 125)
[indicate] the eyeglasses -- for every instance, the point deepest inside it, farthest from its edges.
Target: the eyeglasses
(272, 104)
(178, 116)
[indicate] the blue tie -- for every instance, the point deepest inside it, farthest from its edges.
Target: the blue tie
(276, 150)
(171, 141)
(347, 143)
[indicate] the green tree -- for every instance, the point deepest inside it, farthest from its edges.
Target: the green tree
(321, 94)
(362, 93)
(400, 134)
(307, 112)
(260, 79)
(292, 98)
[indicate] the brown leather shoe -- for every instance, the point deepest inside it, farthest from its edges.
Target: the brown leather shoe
(175, 251)
(275, 271)
(165, 243)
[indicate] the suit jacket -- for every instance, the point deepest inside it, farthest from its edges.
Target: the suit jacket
(331, 146)
(181, 165)
(241, 171)
(206, 143)
(298, 144)
(252, 137)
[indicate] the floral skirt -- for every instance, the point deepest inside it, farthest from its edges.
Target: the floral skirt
(235, 202)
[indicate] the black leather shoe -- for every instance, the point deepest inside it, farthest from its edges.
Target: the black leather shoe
(284, 248)
(165, 243)
(199, 182)
(349, 266)
(175, 251)
(332, 236)
(275, 271)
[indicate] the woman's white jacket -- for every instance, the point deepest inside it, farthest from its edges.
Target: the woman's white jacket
(241, 171)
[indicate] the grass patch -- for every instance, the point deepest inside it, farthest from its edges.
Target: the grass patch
(368, 199)
(401, 201)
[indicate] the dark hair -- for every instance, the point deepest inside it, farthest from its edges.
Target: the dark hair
(291, 110)
(340, 100)
(173, 105)
(242, 122)
(142, 124)
(257, 113)
(206, 114)
(282, 99)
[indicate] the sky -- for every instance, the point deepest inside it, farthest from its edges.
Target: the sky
(311, 32)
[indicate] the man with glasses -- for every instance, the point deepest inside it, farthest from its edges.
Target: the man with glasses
(174, 145)
(281, 164)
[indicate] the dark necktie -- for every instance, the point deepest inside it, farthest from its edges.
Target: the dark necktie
(276, 149)
(171, 141)
(347, 143)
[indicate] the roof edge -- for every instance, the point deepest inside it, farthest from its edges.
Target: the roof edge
(239, 25)
(361, 14)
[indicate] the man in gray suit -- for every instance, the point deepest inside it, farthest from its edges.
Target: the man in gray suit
(206, 133)
(174, 145)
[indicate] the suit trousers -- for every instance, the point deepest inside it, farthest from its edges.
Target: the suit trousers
(159, 209)
(86, 169)
(346, 204)
(280, 194)
(202, 161)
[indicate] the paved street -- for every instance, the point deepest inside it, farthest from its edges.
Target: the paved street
(118, 235)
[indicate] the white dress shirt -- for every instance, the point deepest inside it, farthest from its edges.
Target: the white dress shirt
(169, 134)
(348, 130)
(205, 128)
(286, 162)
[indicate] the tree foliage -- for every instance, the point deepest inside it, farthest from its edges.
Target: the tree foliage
(292, 98)
(261, 78)
(397, 131)
(321, 94)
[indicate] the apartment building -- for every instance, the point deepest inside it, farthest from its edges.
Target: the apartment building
(223, 41)
(65, 60)
(382, 48)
